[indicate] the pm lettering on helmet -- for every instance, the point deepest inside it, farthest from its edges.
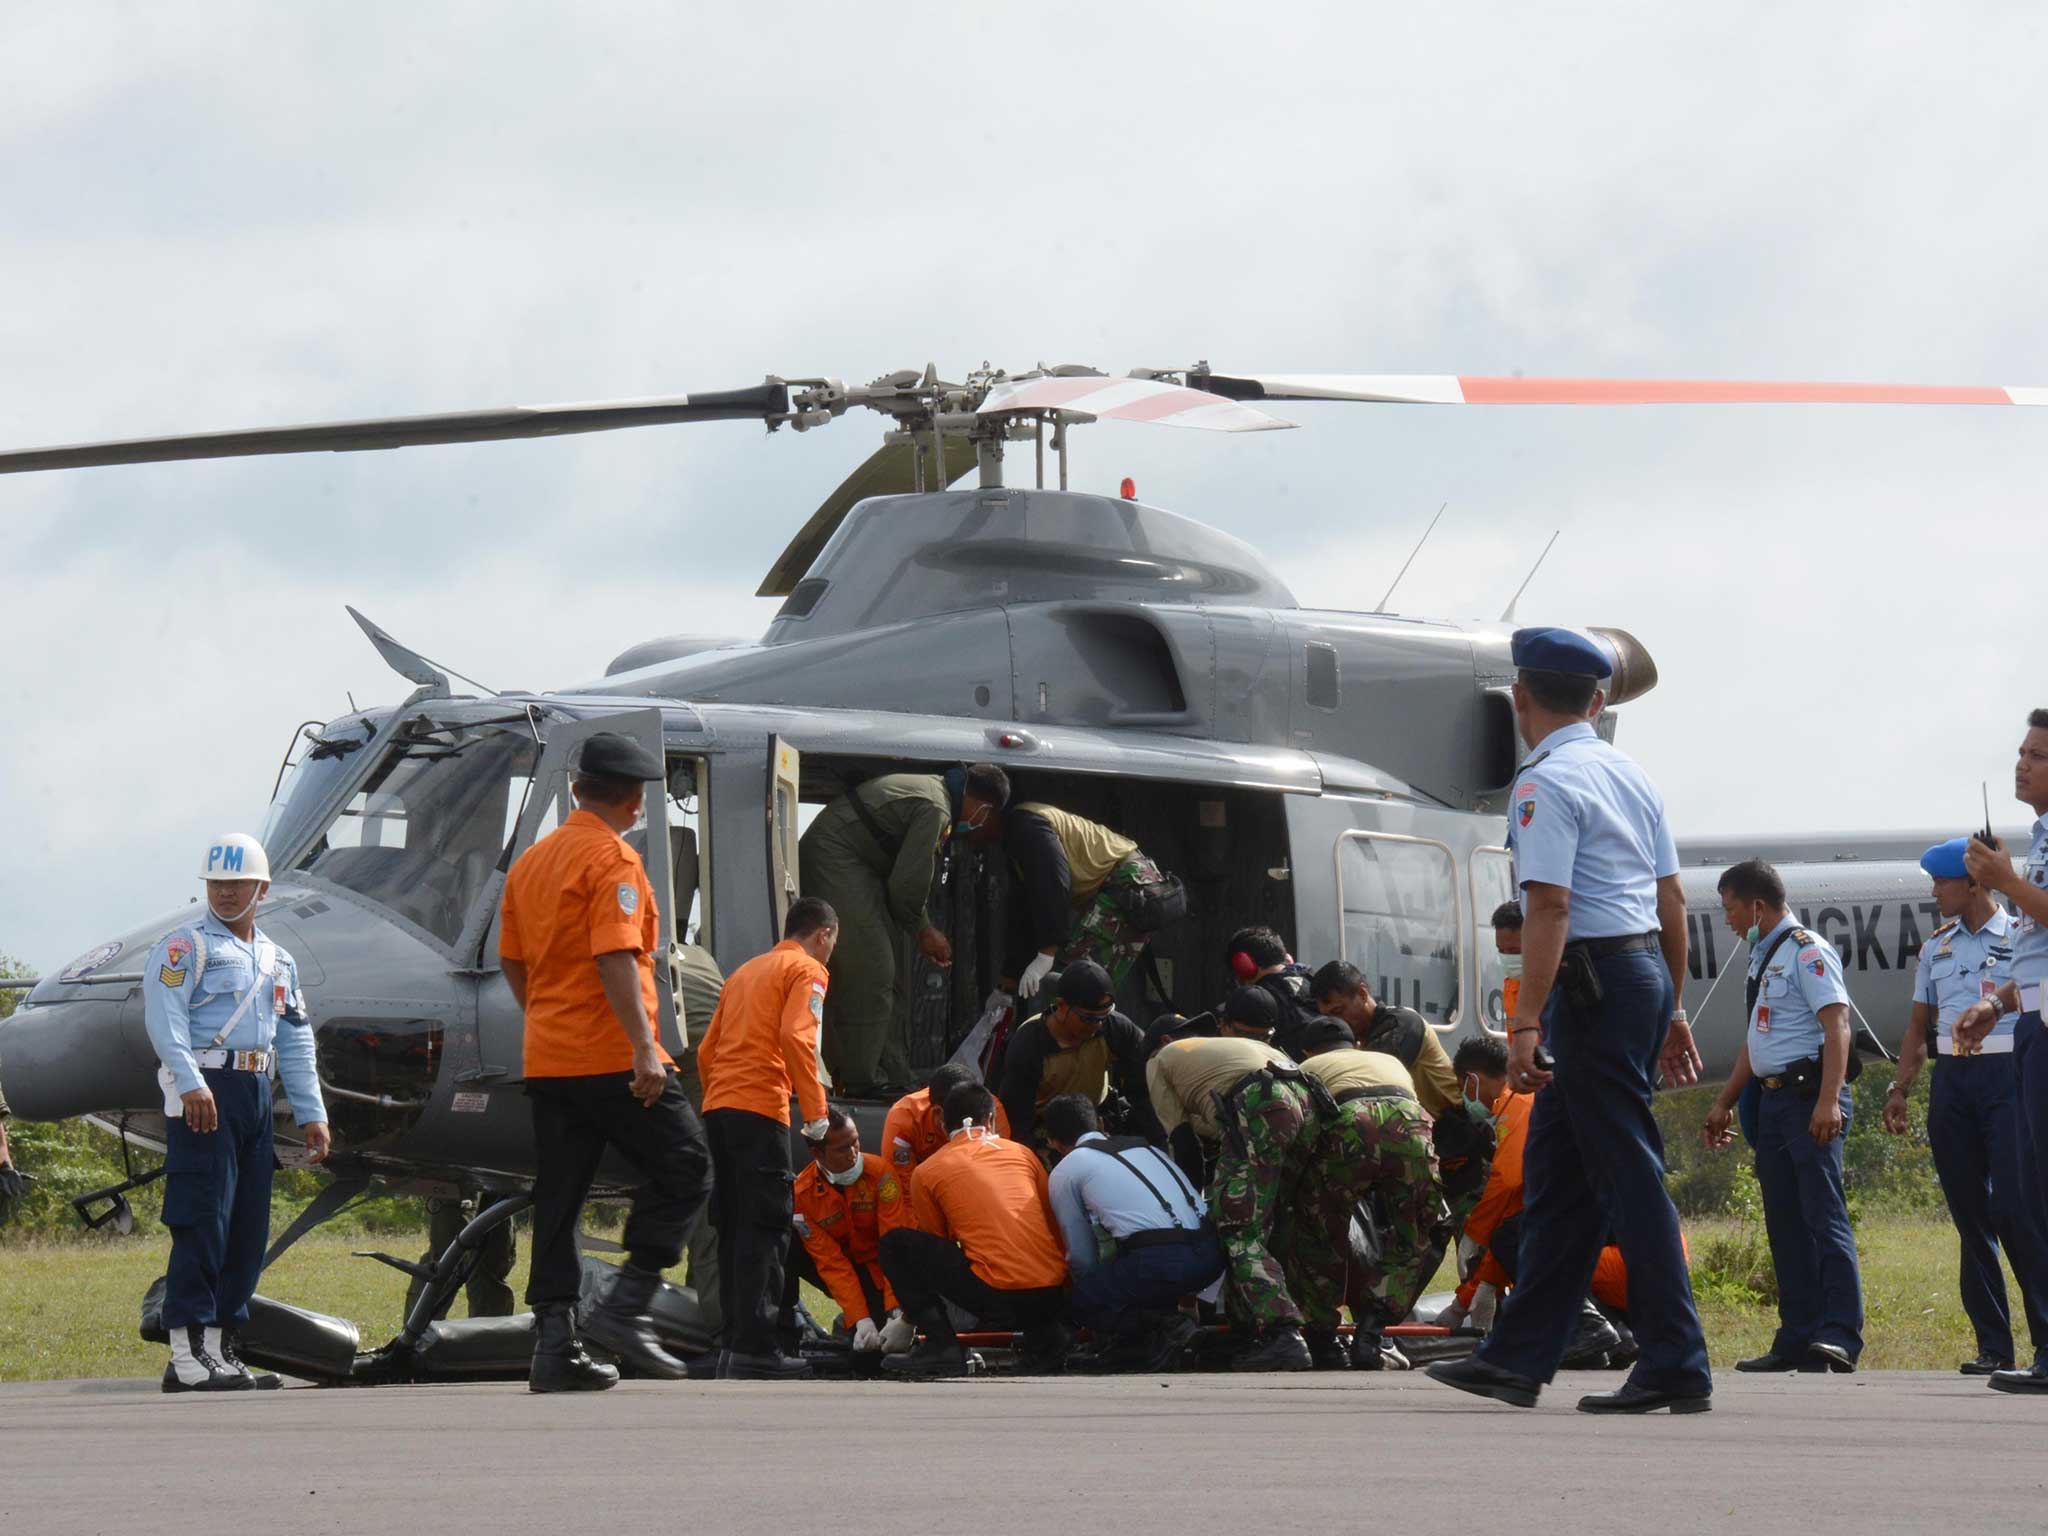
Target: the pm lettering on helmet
(224, 857)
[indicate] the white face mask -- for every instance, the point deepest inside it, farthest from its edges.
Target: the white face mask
(843, 1180)
(1511, 965)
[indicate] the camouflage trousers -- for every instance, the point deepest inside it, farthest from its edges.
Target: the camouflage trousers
(1268, 1129)
(1373, 1162)
(1102, 933)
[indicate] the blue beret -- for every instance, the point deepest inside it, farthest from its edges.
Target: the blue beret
(1560, 650)
(1944, 861)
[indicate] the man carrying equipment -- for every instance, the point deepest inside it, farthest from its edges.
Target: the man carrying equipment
(1376, 1153)
(1237, 1092)
(845, 1202)
(916, 1127)
(1165, 1244)
(1597, 866)
(872, 856)
(984, 1240)
(578, 936)
(1080, 1044)
(221, 1004)
(1088, 893)
(1340, 991)
(761, 1047)
(1970, 1112)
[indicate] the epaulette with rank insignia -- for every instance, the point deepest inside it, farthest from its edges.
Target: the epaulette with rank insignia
(1802, 938)
(1944, 928)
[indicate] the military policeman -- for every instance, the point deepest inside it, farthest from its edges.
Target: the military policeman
(1970, 1121)
(221, 1003)
(1798, 1050)
(872, 856)
(1597, 867)
(1991, 867)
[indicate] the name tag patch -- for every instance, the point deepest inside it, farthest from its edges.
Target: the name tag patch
(1763, 1018)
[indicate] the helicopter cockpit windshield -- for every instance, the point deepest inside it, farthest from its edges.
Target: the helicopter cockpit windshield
(422, 834)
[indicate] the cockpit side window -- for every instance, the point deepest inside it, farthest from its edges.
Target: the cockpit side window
(423, 833)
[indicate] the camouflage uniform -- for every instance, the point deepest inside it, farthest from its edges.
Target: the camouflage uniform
(1102, 932)
(1375, 1154)
(1269, 1128)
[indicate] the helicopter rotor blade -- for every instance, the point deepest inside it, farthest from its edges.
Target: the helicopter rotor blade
(1476, 389)
(1147, 400)
(763, 402)
(889, 471)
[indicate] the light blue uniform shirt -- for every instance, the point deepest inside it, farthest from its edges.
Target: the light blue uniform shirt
(1586, 817)
(184, 1006)
(1804, 976)
(1958, 968)
(2030, 939)
(1090, 1189)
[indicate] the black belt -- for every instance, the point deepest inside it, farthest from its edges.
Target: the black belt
(1619, 944)
(1376, 1091)
(1161, 1237)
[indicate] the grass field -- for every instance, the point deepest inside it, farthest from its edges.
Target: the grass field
(69, 1309)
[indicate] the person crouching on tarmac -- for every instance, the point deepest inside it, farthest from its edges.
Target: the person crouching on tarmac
(220, 1002)
(1165, 1246)
(578, 932)
(1239, 1093)
(1373, 1159)
(845, 1202)
(985, 1240)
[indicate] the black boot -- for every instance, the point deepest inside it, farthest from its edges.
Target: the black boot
(559, 1363)
(1589, 1347)
(933, 1356)
(1370, 1351)
(1044, 1350)
(620, 1323)
(1325, 1353)
(1276, 1349)
(231, 1357)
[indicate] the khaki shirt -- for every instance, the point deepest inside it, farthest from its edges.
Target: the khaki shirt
(1342, 1070)
(1093, 851)
(1436, 1085)
(1188, 1076)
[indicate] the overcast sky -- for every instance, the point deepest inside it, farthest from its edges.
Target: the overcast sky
(240, 214)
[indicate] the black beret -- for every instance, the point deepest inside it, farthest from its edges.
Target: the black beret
(1253, 1007)
(612, 756)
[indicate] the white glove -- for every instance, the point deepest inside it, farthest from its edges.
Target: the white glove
(1452, 1316)
(898, 1334)
(1034, 973)
(815, 1130)
(867, 1338)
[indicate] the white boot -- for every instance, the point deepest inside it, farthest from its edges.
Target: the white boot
(195, 1366)
(221, 1345)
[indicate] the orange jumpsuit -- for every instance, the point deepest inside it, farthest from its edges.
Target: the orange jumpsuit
(842, 1227)
(915, 1130)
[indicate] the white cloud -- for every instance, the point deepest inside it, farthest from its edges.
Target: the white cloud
(293, 214)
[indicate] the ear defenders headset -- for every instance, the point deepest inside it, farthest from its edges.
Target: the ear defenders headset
(1243, 966)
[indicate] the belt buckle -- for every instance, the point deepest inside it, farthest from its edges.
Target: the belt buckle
(1774, 1083)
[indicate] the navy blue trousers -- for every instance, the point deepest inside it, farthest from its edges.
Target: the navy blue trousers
(1115, 1298)
(217, 1205)
(1973, 1129)
(1594, 1164)
(2030, 1112)
(1806, 1216)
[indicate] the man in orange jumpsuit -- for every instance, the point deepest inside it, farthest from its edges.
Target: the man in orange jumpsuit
(1493, 1232)
(845, 1201)
(577, 938)
(761, 1047)
(916, 1126)
(985, 1240)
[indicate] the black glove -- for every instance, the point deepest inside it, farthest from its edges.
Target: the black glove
(13, 1190)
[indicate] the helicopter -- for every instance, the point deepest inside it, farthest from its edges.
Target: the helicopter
(1338, 776)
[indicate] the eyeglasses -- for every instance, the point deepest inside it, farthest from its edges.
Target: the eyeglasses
(1093, 1015)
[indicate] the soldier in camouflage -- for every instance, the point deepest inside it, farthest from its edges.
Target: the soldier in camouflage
(1237, 1092)
(1372, 1164)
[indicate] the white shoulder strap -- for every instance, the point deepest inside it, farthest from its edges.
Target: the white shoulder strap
(266, 967)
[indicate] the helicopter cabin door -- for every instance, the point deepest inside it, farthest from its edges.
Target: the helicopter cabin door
(548, 805)
(1388, 886)
(783, 762)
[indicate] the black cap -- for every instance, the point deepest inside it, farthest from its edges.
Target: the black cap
(1253, 1007)
(1327, 1033)
(612, 756)
(1084, 984)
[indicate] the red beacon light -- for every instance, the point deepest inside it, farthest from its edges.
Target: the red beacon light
(1129, 490)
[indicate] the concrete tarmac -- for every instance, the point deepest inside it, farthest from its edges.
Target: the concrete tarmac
(1133, 1456)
